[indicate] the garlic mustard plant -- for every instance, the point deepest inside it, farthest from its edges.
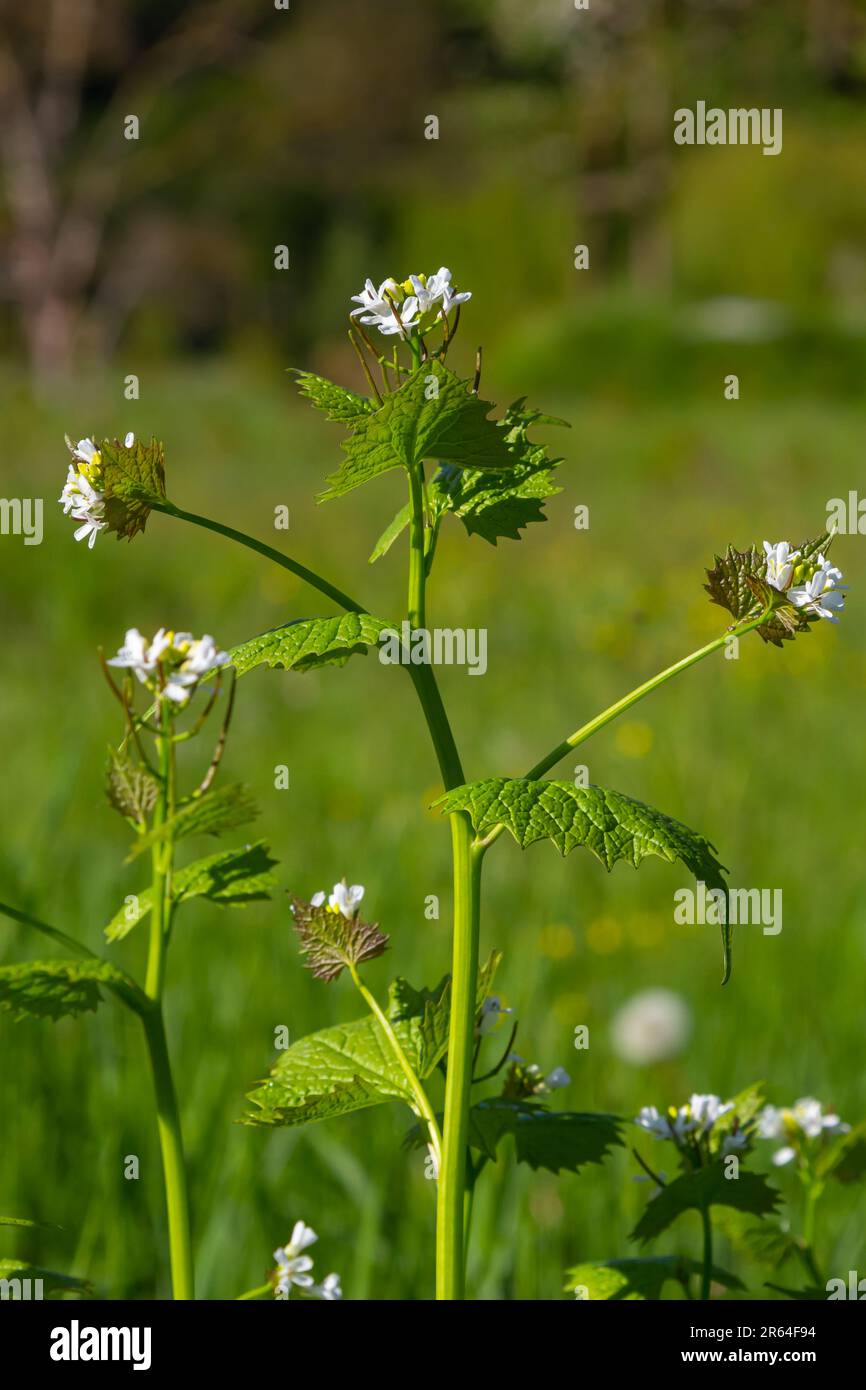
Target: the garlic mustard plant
(441, 1051)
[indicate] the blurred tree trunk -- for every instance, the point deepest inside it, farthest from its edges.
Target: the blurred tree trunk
(64, 178)
(49, 260)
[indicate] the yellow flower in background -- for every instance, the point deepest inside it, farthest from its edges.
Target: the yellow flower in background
(556, 941)
(604, 936)
(634, 738)
(647, 929)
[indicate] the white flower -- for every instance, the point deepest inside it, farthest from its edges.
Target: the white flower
(293, 1265)
(675, 1124)
(770, 1122)
(784, 1155)
(184, 658)
(705, 1110)
(128, 440)
(136, 655)
(433, 289)
(345, 899)
(202, 656)
(374, 308)
(681, 1122)
(805, 1115)
(86, 452)
(732, 1142)
(491, 1011)
(822, 594)
(649, 1119)
(317, 899)
(809, 1115)
(650, 1027)
(556, 1079)
(373, 301)
(329, 1289)
(82, 498)
(780, 564)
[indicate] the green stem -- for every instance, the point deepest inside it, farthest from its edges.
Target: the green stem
(255, 1293)
(450, 1215)
(613, 711)
(417, 559)
(77, 948)
(422, 1103)
(461, 1040)
(285, 561)
(173, 1165)
(167, 1113)
(707, 1264)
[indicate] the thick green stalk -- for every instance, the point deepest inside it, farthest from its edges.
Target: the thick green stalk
(466, 862)
(417, 557)
(461, 1046)
(173, 1163)
(167, 1113)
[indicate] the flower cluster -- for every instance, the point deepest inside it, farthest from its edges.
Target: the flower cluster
(342, 899)
(805, 1119)
(172, 664)
(526, 1079)
(293, 1268)
(813, 588)
(82, 497)
(399, 308)
(688, 1124)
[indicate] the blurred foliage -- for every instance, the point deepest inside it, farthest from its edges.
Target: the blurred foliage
(305, 127)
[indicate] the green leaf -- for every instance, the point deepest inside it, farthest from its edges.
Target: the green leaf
(227, 808)
(391, 532)
(611, 826)
(57, 988)
(844, 1158)
(702, 1189)
(336, 402)
(738, 583)
(552, 1139)
(130, 788)
(309, 642)
(765, 1241)
(132, 479)
(499, 505)
(747, 1103)
(54, 1284)
(231, 878)
(351, 1066)
(451, 426)
(638, 1279)
(330, 941)
(25, 1221)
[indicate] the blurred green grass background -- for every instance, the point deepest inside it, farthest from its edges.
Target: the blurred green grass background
(762, 754)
